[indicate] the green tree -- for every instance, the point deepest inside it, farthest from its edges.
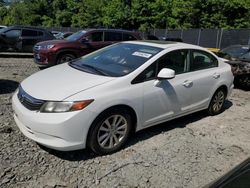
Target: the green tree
(90, 14)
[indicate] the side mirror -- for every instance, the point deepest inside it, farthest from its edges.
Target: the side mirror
(166, 73)
(85, 40)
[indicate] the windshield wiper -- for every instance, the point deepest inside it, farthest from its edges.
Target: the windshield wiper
(72, 63)
(96, 69)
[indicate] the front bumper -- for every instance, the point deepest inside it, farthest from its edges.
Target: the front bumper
(59, 131)
(44, 57)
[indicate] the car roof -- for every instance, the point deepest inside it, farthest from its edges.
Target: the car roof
(26, 27)
(164, 44)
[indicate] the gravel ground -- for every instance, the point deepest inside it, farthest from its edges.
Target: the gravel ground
(187, 152)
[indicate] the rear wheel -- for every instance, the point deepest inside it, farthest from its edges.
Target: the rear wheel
(110, 132)
(217, 102)
(63, 58)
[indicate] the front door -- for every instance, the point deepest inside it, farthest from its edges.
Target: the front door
(92, 42)
(167, 98)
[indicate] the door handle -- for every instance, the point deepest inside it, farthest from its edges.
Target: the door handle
(216, 75)
(187, 83)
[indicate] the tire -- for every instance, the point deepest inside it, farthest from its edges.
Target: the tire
(217, 102)
(63, 58)
(104, 137)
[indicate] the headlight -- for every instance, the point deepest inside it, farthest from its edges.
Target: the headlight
(64, 106)
(49, 46)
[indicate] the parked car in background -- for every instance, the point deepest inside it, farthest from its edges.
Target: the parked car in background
(55, 33)
(238, 57)
(2, 26)
(63, 35)
(67, 34)
(22, 39)
(55, 52)
(98, 100)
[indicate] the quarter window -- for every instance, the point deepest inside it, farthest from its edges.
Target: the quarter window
(202, 60)
(148, 74)
(96, 37)
(112, 36)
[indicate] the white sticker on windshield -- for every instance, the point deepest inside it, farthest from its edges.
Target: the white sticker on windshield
(142, 54)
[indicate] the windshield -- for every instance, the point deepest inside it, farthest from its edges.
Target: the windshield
(235, 51)
(117, 60)
(3, 29)
(246, 57)
(75, 36)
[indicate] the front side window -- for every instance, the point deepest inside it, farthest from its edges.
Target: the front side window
(176, 60)
(202, 60)
(76, 36)
(112, 36)
(116, 60)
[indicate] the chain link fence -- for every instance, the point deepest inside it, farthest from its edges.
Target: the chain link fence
(210, 38)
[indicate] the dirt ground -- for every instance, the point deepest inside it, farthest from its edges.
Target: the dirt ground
(188, 152)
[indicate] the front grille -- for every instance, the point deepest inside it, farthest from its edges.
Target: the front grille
(28, 101)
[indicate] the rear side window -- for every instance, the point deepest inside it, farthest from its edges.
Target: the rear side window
(202, 60)
(39, 33)
(128, 37)
(96, 37)
(29, 33)
(13, 33)
(113, 36)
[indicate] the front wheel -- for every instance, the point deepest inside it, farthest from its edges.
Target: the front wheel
(65, 58)
(110, 132)
(217, 102)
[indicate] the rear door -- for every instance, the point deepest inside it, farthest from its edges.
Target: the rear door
(204, 75)
(29, 39)
(111, 37)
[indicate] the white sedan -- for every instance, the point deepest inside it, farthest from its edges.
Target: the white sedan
(98, 100)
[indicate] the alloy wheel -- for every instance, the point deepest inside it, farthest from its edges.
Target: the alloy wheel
(112, 131)
(65, 58)
(218, 101)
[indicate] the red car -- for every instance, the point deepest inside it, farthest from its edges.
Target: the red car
(53, 52)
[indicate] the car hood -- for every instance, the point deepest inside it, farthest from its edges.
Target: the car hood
(60, 82)
(51, 42)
